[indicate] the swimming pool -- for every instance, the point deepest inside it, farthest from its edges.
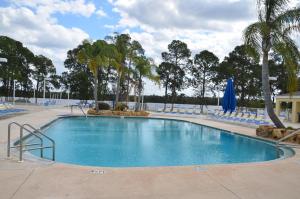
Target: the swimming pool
(139, 142)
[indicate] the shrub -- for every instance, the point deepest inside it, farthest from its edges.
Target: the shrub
(121, 107)
(290, 128)
(103, 106)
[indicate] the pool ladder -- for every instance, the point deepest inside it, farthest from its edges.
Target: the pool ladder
(279, 142)
(22, 147)
(80, 107)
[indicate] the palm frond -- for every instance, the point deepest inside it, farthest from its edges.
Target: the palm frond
(252, 37)
(268, 10)
(290, 54)
(289, 21)
(283, 41)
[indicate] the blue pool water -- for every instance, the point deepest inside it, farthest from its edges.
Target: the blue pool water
(138, 142)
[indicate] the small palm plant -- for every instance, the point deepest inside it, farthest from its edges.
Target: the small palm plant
(273, 32)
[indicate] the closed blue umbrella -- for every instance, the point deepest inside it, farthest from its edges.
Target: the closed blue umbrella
(229, 100)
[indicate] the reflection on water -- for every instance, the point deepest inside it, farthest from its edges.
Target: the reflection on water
(150, 142)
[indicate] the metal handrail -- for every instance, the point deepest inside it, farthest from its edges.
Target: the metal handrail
(287, 136)
(80, 107)
(50, 139)
(21, 140)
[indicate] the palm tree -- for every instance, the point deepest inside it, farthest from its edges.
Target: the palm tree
(273, 33)
(144, 67)
(121, 43)
(95, 55)
(135, 49)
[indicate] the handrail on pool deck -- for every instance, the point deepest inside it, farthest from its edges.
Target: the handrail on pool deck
(43, 135)
(287, 136)
(34, 132)
(80, 107)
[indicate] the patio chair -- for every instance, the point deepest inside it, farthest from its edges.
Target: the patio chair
(190, 111)
(260, 120)
(175, 110)
(160, 110)
(252, 118)
(238, 116)
(167, 110)
(197, 112)
(232, 116)
(182, 111)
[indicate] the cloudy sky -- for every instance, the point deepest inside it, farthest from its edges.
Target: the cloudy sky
(52, 27)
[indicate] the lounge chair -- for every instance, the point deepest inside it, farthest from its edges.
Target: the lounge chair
(238, 117)
(167, 110)
(282, 117)
(175, 110)
(160, 110)
(190, 111)
(260, 120)
(197, 111)
(182, 111)
(232, 116)
(245, 116)
(6, 109)
(251, 118)
(225, 115)
(218, 114)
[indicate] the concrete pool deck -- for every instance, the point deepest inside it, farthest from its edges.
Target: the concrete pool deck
(47, 180)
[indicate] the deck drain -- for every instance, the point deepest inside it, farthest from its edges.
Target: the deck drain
(97, 172)
(200, 169)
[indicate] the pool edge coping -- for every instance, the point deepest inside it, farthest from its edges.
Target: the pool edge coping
(266, 141)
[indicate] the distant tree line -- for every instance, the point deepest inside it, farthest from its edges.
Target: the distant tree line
(24, 67)
(116, 67)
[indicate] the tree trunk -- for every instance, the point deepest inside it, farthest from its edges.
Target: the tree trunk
(96, 91)
(267, 91)
(118, 89)
(138, 106)
(134, 92)
(128, 82)
(166, 97)
(243, 96)
(243, 88)
(203, 92)
(173, 99)
(36, 91)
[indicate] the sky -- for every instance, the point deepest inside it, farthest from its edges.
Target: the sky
(52, 27)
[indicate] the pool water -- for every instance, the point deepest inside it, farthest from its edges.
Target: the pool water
(139, 142)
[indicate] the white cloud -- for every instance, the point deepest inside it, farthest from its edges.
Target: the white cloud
(101, 13)
(188, 14)
(48, 7)
(41, 35)
(213, 25)
(216, 25)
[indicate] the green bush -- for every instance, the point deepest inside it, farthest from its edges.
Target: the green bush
(103, 106)
(290, 128)
(121, 107)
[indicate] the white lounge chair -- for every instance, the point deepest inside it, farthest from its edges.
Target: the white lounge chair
(197, 111)
(160, 110)
(167, 110)
(190, 111)
(182, 111)
(175, 110)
